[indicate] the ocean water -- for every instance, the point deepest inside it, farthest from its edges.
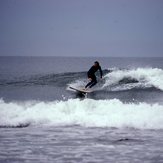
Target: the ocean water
(42, 120)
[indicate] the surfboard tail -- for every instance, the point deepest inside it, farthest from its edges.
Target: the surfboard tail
(82, 90)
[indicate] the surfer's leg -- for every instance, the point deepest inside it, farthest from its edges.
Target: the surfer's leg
(89, 77)
(92, 83)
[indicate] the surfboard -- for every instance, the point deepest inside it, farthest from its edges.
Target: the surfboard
(81, 90)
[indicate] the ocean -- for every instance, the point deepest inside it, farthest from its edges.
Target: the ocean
(43, 120)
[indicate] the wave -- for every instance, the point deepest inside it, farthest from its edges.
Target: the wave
(87, 113)
(114, 79)
(127, 79)
(60, 79)
(134, 78)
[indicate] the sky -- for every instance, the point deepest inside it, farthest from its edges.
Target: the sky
(111, 28)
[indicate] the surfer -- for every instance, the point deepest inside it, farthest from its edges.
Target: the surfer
(91, 74)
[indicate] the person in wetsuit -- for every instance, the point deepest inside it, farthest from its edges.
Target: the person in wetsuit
(91, 74)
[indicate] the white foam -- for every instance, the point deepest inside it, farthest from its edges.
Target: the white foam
(88, 112)
(146, 77)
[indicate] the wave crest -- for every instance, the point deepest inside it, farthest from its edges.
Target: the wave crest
(135, 78)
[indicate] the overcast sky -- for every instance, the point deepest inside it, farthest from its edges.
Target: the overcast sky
(81, 28)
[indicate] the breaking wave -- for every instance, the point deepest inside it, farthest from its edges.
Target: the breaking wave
(114, 79)
(127, 79)
(87, 113)
(134, 78)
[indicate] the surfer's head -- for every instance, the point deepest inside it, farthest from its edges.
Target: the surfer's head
(96, 63)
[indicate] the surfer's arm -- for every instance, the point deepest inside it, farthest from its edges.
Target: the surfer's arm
(100, 71)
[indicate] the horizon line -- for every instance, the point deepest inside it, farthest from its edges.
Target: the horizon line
(86, 56)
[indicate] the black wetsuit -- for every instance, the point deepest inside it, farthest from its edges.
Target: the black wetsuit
(91, 74)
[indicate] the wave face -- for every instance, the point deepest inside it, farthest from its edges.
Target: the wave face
(88, 113)
(114, 79)
(141, 84)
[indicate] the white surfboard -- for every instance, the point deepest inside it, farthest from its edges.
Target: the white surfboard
(81, 90)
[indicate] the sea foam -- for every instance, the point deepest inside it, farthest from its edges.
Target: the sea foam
(87, 113)
(145, 77)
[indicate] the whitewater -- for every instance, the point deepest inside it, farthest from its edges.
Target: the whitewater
(42, 120)
(87, 113)
(144, 77)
